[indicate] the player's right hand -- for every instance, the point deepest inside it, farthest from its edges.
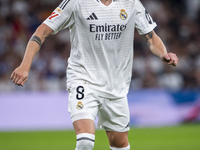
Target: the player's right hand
(170, 59)
(19, 76)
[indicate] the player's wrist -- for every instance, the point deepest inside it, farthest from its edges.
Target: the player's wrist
(162, 55)
(25, 67)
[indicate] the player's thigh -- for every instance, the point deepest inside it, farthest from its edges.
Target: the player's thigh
(83, 102)
(118, 139)
(84, 126)
(83, 107)
(114, 115)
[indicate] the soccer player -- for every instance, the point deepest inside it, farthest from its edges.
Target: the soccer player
(100, 64)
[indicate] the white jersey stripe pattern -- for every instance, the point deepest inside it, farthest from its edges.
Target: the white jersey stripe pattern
(63, 4)
(102, 42)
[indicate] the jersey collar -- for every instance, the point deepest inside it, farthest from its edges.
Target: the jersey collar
(100, 0)
(104, 6)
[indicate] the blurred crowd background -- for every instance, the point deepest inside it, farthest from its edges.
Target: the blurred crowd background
(178, 26)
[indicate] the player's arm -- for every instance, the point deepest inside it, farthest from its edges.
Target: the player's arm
(20, 74)
(158, 48)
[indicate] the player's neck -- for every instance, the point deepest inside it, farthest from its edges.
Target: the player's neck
(106, 2)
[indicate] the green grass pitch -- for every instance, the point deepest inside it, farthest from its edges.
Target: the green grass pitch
(184, 137)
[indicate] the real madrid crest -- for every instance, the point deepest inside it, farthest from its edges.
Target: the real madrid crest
(79, 106)
(123, 15)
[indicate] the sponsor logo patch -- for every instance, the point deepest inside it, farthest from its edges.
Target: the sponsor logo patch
(92, 17)
(59, 10)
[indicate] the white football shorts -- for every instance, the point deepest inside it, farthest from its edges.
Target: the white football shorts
(84, 103)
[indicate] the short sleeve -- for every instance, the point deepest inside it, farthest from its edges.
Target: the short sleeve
(143, 20)
(62, 17)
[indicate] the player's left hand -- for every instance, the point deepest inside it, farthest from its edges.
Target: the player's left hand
(170, 59)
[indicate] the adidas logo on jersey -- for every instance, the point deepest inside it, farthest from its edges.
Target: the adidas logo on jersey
(92, 17)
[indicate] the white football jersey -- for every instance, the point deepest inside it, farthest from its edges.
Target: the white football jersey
(101, 41)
